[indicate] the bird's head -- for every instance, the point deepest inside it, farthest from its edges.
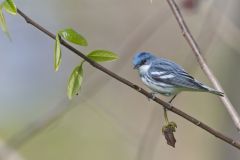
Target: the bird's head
(142, 58)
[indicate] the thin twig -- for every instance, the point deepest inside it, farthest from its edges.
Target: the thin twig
(188, 36)
(133, 86)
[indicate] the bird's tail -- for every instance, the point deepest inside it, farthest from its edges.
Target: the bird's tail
(205, 88)
(216, 92)
(213, 91)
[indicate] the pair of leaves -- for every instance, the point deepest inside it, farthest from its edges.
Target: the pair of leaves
(76, 78)
(11, 8)
(70, 35)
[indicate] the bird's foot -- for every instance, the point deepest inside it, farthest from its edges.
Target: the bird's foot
(153, 96)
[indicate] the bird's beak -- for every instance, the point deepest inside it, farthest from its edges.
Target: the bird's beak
(136, 66)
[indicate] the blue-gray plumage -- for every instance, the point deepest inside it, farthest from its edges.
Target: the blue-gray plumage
(166, 77)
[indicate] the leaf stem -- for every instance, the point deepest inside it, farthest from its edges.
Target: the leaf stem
(165, 116)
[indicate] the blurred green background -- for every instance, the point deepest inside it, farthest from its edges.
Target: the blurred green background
(108, 120)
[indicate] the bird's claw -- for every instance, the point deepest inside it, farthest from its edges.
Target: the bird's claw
(153, 96)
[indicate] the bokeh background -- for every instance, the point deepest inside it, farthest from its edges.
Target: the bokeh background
(109, 120)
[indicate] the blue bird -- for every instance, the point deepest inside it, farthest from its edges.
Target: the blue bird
(166, 77)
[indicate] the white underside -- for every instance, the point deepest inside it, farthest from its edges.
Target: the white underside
(157, 88)
(166, 90)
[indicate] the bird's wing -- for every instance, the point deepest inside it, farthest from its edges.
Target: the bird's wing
(168, 72)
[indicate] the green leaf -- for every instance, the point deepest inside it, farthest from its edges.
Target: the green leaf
(3, 24)
(10, 7)
(57, 53)
(72, 36)
(102, 55)
(75, 81)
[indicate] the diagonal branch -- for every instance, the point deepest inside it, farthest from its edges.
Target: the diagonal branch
(202, 62)
(133, 86)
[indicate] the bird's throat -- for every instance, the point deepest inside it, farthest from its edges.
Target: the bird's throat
(143, 69)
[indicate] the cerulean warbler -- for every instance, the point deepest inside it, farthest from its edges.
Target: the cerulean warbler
(166, 77)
